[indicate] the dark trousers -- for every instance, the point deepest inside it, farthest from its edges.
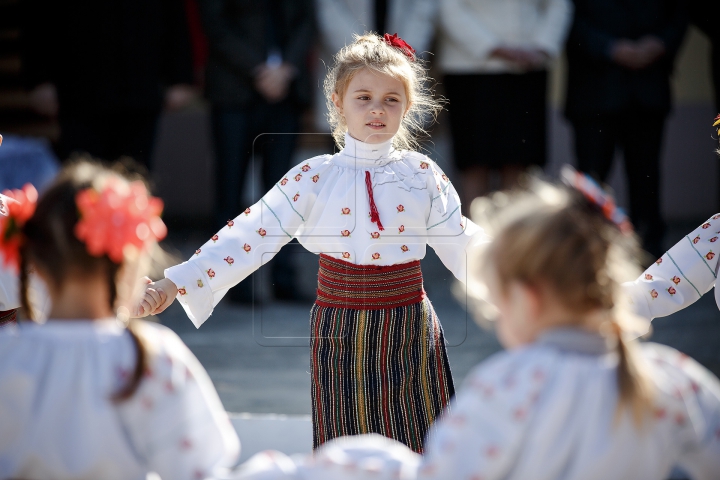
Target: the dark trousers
(109, 135)
(242, 135)
(639, 133)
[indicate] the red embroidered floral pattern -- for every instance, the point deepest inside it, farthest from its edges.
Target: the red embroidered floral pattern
(710, 255)
(182, 291)
(654, 293)
(247, 211)
(229, 260)
(345, 233)
(247, 248)
(296, 197)
(404, 248)
(210, 272)
(197, 252)
(200, 283)
(283, 182)
(305, 167)
(376, 256)
(215, 238)
(230, 223)
(672, 291)
(298, 177)
(400, 208)
(346, 255)
(261, 232)
(696, 239)
(375, 235)
(676, 280)
(315, 178)
(401, 228)
(345, 211)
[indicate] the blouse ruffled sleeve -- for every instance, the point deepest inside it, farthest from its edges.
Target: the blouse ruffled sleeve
(175, 418)
(681, 276)
(449, 232)
(247, 242)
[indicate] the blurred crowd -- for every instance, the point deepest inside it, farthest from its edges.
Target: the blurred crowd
(106, 70)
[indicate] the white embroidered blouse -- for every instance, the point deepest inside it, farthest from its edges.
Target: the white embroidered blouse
(58, 419)
(325, 203)
(681, 276)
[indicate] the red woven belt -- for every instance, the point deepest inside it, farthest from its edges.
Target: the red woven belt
(368, 287)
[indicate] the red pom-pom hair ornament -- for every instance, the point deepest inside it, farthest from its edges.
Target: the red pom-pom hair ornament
(397, 42)
(16, 207)
(117, 217)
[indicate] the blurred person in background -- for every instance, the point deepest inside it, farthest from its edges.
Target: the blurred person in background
(620, 57)
(339, 20)
(106, 69)
(258, 83)
(495, 56)
(704, 14)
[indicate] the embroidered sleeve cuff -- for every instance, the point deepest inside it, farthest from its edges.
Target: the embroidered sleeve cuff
(194, 293)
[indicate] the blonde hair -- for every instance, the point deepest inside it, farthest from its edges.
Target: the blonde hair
(372, 52)
(555, 237)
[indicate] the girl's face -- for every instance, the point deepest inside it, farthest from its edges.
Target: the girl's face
(373, 106)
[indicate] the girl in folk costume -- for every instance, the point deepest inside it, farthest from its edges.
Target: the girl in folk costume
(377, 351)
(572, 397)
(683, 274)
(88, 394)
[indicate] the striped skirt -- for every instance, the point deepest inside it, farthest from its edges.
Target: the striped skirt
(377, 351)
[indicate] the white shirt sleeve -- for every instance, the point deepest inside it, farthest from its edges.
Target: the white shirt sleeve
(681, 276)
(449, 232)
(462, 26)
(554, 26)
(175, 419)
(248, 241)
(698, 390)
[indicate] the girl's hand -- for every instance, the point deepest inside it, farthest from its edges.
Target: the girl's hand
(155, 297)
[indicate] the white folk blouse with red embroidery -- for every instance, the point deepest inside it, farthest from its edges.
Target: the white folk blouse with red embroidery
(325, 203)
(681, 276)
(546, 411)
(58, 419)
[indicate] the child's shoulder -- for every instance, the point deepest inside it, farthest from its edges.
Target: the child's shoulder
(163, 346)
(312, 162)
(673, 371)
(519, 366)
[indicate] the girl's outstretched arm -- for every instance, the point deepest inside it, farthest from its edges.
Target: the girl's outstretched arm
(247, 242)
(681, 276)
(449, 232)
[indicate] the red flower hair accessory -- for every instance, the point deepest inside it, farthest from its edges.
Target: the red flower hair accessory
(593, 192)
(16, 207)
(118, 216)
(397, 42)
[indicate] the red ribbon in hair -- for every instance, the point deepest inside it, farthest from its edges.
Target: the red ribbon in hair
(397, 42)
(374, 215)
(16, 207)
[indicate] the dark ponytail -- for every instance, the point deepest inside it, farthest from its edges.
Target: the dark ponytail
(50, 244)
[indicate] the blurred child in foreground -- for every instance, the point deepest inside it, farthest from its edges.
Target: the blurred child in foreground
(89, 394)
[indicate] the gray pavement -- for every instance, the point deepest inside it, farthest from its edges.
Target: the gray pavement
(258, 356)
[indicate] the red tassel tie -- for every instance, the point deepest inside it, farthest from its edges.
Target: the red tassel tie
(374, 215)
